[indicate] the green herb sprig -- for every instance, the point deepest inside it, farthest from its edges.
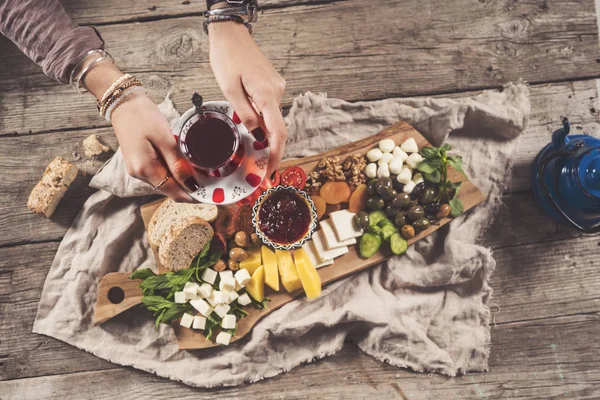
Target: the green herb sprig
(435, 169)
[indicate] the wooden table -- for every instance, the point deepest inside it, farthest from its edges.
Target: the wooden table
(547, 281)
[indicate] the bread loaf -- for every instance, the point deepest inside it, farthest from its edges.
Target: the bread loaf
(183, 242)
(48, 192)
(170, 214)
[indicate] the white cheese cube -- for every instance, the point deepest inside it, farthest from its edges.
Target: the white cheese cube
(227, 283)
(199, 322)
(228, 322)
(209, 275)
(180, 298)
(331, 240)
(191, 290)
(243, 277)
(322, 253)
(371, 170)
(344, 223)
(413, 160)
(396, 165)
(233, 295)
(399, 153)
(211, 299)
(409, 187)
(418, 178)
(186, 320)
(223, 338)
(404, 176)
(238, 286)
(202, 306)
(224, 274)
(309, 247)
(221, 297)
(244, 299)
(383, 171)
(205, 290)
(410, 146)
(385, 159)
(387, 145)
(222, 310)
(374, 154)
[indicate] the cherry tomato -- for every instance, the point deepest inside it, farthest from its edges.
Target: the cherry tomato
(294, 176)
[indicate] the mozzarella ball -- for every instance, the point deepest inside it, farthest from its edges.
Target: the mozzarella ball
(410, 146)
(387, 145)
(413, 160)
(374, 154)
(371, 170)
(383, 171)
(398, 152)
(418, 178)
(404, 175)
(386, 158)
(409, 187)
(396, 165)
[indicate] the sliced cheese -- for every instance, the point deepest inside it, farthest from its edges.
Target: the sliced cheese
(311, 281)
(322, 253)
(256, 287)
(271, 272)
(344, 224)
(253, 261)
(309, 248)
(331, 240)
(287, 271)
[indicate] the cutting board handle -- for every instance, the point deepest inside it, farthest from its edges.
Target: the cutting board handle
(116, 294)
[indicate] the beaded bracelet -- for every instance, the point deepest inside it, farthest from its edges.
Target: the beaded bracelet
(224, 18)
(120, 100)
(114, 86)
(115, 94)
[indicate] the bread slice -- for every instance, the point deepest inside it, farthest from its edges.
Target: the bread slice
(170, 213)
(183, 242)
(48, 192)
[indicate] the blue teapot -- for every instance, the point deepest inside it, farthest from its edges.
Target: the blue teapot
(566, 179)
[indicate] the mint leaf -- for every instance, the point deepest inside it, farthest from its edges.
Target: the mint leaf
(428, 166)
(434, 177)
(457, 207)
(156, 282)
(456, 162)
(142, 274)
(429, 153)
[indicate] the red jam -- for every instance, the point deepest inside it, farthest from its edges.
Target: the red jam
(284, 217)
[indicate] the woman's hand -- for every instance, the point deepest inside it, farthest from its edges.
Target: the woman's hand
(250, 84)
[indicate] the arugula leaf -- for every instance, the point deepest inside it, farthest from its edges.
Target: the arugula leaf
(434, 177)
(156, 303)
(204, 251)
(173, 313)
(456, 162)
(142, 274)
(260, 304)
(457, 207)
(212, 324)
(156, 282)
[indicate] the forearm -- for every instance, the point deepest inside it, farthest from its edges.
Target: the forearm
(45, 33)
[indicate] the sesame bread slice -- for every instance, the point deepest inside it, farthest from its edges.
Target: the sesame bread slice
(170, 214)
(183, 242)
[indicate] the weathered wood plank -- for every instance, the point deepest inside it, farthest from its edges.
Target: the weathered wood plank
(539, 359)
(435, 47)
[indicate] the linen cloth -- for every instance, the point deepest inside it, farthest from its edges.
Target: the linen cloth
(426, 310)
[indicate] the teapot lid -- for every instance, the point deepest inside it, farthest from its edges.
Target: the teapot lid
(588, 172)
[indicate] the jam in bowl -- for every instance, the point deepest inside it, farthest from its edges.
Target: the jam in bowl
(284, 217)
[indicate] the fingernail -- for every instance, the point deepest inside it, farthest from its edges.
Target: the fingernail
(191, 184)
(259, 135)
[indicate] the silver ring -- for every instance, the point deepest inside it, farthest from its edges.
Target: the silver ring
(166, 178)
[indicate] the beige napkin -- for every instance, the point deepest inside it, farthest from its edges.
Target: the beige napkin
(426, 310)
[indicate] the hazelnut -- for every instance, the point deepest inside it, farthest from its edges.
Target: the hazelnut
(238, 254)
(233, 265)
(220, 265)
(242, 239)
(255, 240)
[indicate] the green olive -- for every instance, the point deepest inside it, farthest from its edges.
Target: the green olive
(391, 211)
(402, 200)
(371, 187)
(400, 219)
(408, 232)
(383, 184)
(375, 203)
(428, 196)
(388, 194)
(421, 224)
(415, 212)
(362, 219)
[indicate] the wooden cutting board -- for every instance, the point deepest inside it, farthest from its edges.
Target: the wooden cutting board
(117, 286)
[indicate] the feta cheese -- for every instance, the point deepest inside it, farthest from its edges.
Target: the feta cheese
(409, 187)
(399, 153)
(331, 240)
(244, 299)
(396, 165)
(186, 320)
(374, 154)
(322, 253)
(199, 322)
(202, 306)
(233, 295)
(413, 160)
(409, 146)
(180, 298)
(371, 170)
(227, 273)
(221, 297)
(222, 310)
(238, 286)
(191, 290)
(344, 223)
(211, 299)
(387, 145)
(209, 275)
(385, 159)
(205, 290)
(228, 322)
(383, 171)
(243, 277)
(223, 338)
(227, 283)
(418, 178)
(404, 176)
(309, 248)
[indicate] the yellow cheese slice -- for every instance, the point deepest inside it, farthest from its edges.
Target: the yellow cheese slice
(311, 281)
(287, 271)
(253, 261)
(269, 260)
(256, 287)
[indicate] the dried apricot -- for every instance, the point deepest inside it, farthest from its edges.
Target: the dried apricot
(358, 198)
(320, 205)
(335, 192)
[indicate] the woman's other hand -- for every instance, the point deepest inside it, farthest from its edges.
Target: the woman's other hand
(250, 84)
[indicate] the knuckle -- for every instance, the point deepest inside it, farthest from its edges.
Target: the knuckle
(280, 85)
(136, 170)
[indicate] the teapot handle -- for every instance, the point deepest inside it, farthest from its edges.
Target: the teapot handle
(559, 136)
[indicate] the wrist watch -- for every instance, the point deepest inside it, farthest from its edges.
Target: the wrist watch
(248, 8)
